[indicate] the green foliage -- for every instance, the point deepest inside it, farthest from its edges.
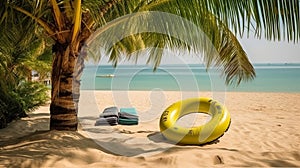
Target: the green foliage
(22, 50)
(220, 20)
(10, 108)
(31, 95)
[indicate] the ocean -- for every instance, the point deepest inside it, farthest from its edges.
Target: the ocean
(191, 77)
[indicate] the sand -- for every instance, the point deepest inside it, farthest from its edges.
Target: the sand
(264, 132)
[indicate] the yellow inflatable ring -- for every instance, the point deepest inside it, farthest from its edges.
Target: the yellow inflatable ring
(212, 130)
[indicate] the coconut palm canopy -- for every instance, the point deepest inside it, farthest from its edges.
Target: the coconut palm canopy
(71, 22)
(21, 51)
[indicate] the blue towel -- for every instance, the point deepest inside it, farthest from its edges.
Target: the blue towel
(128, 116)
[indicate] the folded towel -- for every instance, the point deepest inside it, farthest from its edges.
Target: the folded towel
(128, 116)
(107, 121)
(110, 112)
(109, 116)
(123, 121)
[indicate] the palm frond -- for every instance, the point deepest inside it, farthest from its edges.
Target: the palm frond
(218, 20)
(234, 59)
(103, 11)
(77, 19)
(275, 19)
(201, 32)
(153, 43)
(20, 47)
(57, 14)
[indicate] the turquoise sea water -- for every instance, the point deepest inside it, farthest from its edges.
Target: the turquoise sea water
(269, 78)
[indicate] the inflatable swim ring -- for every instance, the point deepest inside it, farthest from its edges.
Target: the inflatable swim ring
(212, 130)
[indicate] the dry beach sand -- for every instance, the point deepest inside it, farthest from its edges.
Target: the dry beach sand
(264, 132)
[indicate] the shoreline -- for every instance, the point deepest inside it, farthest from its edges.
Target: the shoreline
(263, 132)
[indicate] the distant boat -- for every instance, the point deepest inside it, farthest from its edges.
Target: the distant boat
(106, 76)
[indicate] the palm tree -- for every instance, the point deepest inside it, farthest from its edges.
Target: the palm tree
(71, 22)
(21, 51)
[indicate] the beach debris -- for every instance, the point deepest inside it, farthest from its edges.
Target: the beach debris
(218, 159)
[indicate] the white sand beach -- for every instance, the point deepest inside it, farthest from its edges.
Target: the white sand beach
(264, 132)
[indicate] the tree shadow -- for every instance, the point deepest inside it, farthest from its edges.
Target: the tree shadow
(28, 142)
(24, 126)
(278, 163)
(40, 146)
(122, 142)
(158, 137)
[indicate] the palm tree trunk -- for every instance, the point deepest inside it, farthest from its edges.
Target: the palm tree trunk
(66, 71)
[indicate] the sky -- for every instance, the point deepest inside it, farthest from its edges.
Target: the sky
(263, 51)
(258, 51)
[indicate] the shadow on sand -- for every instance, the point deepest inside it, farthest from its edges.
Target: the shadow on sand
(36, 146)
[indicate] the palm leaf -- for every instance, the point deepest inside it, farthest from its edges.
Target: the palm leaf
(77, 19)
(219, 20)
(57, 14)
(231, 56)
